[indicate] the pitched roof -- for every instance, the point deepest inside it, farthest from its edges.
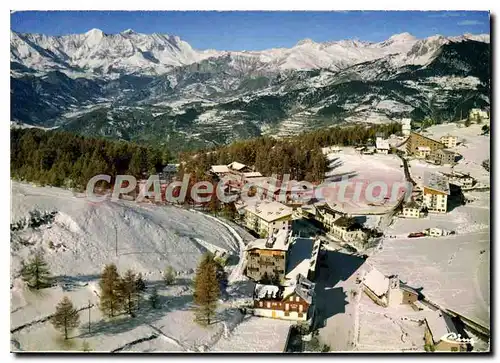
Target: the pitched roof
(236, 166)
(377, 282)
(439, 324)
(170, 168)
(219, 169)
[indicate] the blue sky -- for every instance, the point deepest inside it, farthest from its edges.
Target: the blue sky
(255, 30)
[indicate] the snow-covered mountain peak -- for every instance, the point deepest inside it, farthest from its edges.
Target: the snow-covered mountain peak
(305, 42)
(128, 31)
(95, 53)
(94, 32)
(403, 37)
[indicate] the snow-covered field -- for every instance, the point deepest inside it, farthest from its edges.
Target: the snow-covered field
(454, 271)
(148, 239)
(365, 170)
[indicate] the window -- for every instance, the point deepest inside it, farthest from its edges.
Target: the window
(268, 305)
(287, 307)
(261, 303)
(291, 298)
(454, 349)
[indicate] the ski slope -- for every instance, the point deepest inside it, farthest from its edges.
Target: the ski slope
(146, 238)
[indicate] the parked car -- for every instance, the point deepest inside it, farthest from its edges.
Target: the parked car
(416, 235)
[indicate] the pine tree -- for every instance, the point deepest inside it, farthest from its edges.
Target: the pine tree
(128, 292)
(66, 317)
(169, 275)
(207, 290)
(153, 298)
(110, 300)
(36, 273)
(140, 284)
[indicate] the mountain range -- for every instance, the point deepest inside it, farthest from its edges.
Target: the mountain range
(157, 88)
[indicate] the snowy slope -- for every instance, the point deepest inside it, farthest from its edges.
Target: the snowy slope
(148, 238)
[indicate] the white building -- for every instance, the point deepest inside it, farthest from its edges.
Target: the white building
(423, 152)
(219, 170)
(382, 145)
(346, 229)
(461, 179)
(406, 126)
(412, 210)
(449, 140)
(476, 113)
(266, 217)
(436, 191)
(383, 289)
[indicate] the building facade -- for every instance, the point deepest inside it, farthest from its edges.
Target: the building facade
(267, 217)
(266, 258)
(444, 157)
(294, 302)
(449, 141)
(423, 152)
(415, 140)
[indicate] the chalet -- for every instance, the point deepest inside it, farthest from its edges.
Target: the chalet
(436, 191)
(441, 334)
(417, 140)
(443, 157)
(219, 170)
(413, 210)
(448, 140)
(239, 167)
(382, 145)
(265, 217)
(462, 180)
(388, 290)
(292, 302)
(266, 258)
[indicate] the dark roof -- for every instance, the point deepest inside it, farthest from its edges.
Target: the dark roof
(170, 168)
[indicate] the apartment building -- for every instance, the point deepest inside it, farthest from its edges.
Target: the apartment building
(266, 217)
(443, 157)
(416, 140)
(448, 140)
(267, 258)
(436, 190)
